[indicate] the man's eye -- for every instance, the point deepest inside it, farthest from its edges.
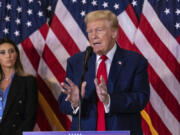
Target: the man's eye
(2, 52)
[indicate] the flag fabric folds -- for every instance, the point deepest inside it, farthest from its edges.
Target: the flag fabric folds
(49, 31)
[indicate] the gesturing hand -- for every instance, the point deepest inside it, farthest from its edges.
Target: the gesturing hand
(101, 91)
(72, 92)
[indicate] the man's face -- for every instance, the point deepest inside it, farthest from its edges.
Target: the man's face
(101, 36)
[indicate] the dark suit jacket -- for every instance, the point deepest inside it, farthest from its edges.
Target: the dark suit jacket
(127, 85)
(21, 106)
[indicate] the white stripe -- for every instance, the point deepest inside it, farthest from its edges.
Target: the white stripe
(50, 80)
(38, 42)
(169, 41)
(166, 116)
(57, 48)
(71, 26)
(158, 65)
(28, 68)
(127, 25)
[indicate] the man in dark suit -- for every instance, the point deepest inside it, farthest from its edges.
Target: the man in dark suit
(122, 88)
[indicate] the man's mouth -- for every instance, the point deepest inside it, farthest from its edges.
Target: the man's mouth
(96, 43)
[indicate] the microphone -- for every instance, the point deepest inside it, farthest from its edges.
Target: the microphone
(88, 54)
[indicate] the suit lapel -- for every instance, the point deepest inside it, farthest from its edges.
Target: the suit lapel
(116, 66)
(12, 94)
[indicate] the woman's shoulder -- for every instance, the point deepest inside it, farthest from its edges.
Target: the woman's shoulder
(26, 77)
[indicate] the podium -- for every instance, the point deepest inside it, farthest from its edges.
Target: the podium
(79, 133)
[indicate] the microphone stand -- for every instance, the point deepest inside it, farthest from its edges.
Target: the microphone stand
(80, 97)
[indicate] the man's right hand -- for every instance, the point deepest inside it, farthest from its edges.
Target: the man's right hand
(72, 92)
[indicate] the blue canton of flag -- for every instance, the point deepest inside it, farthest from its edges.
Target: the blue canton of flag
(169, 14)
(19, 19)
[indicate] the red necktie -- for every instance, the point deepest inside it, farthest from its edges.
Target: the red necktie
(100, 107)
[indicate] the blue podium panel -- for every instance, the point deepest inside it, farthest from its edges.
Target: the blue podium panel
(79, 133)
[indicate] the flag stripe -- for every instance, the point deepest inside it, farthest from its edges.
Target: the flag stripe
(31, 53)
(132, 15)
(166, 116)
(164, 93)
(53, 64)
(71, 26)
(160, 48)
(64, 37)
(158, 65)
(161, 31)
(157, 122)
(58, 49)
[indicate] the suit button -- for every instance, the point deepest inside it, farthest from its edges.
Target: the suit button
(13, 125)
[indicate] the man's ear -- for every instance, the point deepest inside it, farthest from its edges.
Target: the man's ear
(114, 34)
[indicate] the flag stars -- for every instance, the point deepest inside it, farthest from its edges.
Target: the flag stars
(94, 3)
(177, 12)
(134, 3)
(17, 33)
(18, 21)
(40, 13)
(73, 1)
(167, 11)
(83, 2)
(39, 2)
(177, 25)
(19, 9)
(30, 1)
(105, 4)
(7, 18)
(8, 7)
(6, 31)
(49, 8)
(116, 6)
(83, 13)
(29, 11)
(29, 24)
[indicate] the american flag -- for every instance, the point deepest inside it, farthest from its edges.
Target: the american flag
(150, 27)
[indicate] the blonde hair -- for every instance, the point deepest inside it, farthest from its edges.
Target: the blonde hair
(102, 15)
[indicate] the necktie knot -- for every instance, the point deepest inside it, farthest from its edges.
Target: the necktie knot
(104, 57)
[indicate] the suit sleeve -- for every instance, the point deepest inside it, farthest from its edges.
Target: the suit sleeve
(31, 106)
(136, 96)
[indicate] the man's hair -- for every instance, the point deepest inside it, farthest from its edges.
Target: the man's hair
(102, 15)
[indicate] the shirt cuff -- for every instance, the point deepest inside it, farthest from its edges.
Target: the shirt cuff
(107, 107)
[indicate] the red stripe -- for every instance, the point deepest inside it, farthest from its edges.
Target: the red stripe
(159, 47)
(132, 15)
(53, 103)
(53, 64)
(178, 39)
(63, 36)
(31, 53)
(44, 30)
(164, 93)
(157, 122)
(124, 42)
(42, 121)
